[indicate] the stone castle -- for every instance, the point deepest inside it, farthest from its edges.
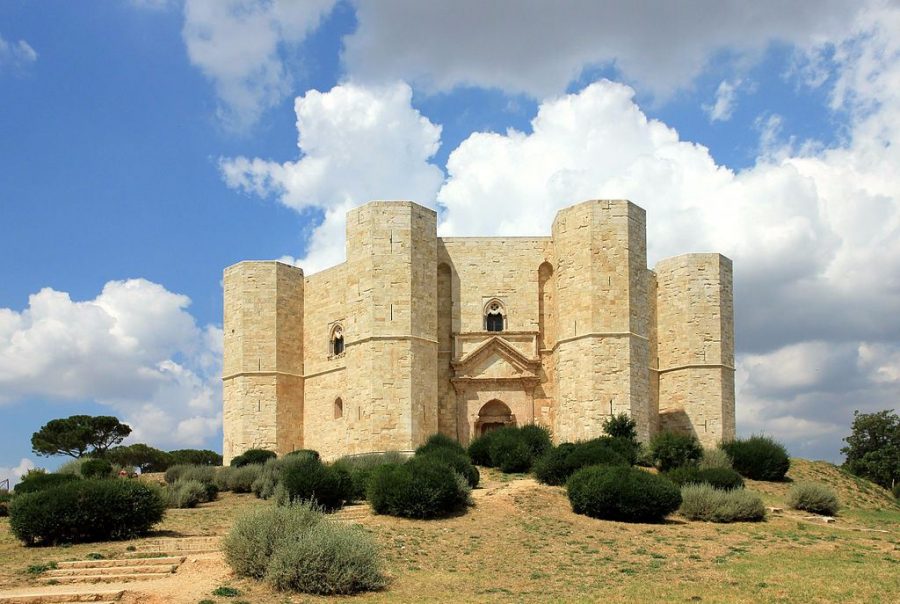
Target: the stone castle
(416, 334)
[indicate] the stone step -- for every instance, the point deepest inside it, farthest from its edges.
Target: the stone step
(120, 578)
(107, 563)
(109, 570)
(167, 554)
(56, 597)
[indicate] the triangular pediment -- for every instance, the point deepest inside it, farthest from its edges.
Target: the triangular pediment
(496, 358)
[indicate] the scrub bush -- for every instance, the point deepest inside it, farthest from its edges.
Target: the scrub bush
(813, 497)
(240, 479)
(252, 456)
(671, 450)
(758, 458)
(458, 461)
(423, 487)
(622, 493)
(718, 478)
(509, 451)
(205, 474)
(96, 468)
(559, 463)
(703, 502)
(310, 480)
(39, 481)
(440, 441)
(186, 494)
(361, 467)
(714, 458)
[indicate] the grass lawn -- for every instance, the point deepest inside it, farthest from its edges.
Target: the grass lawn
(521, 543)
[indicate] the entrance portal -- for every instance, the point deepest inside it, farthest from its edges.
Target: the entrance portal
(493, 415)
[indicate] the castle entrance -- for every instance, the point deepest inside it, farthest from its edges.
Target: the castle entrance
(492, 416)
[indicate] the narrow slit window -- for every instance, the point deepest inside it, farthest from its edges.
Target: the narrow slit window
(338, 408)
(493, 317)
(337, 341)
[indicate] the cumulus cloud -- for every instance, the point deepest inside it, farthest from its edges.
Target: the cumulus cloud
(538, 48)
(240, 46)
(726, 98)
(356, 144)
(16, 473)
(134, 347)
(15, 56)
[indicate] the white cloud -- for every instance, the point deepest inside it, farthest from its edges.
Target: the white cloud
(134, 347)
(726, 98)
(15, 56)
(539, 47)
(239, 45)
(16, 473)
(357, 144)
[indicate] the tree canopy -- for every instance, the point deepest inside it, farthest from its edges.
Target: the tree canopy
(79, 435)
(873, 447)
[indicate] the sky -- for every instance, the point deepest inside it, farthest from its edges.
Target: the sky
(147, 144)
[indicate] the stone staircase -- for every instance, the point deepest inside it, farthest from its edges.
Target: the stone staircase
(95, 596)
(112, 571)
(180, 546)
(352, 513)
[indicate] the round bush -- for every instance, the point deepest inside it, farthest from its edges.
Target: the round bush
(304, 453)
(458, 461)
(758, 458)
(240, 479)
(622, 493)
(703, 502)
(96, 468)
(361, 467)
(252, 456)
(480, 450)
(714, 458)
(441, 441)
(186, 494)
(671, 450)
(310, 480)
(509, 452)
(625, 447)
(38, 481)
(558, 464)
(813, 497)
(329, 559)
(423, 487)
(537, 438)
(718, 478)
(86, 510)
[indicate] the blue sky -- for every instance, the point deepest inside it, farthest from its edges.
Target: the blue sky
(146, 145)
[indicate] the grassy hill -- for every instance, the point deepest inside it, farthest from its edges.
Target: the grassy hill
(520, 542)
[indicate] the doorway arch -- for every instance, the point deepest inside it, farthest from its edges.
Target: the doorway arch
(493, 415)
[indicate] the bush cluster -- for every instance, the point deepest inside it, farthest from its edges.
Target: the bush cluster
(4, 503)
(186, 494)
(714, 458)
(205, 474)
(511, 449)
(361, 467)
(559, 463)
(423, 487)
(86, 510)
(703, 502)
(308, 479)
(813, 497)
(251, 457)
(622, 493)
(295, 548)
(718, 478)
(34, 481)
(670, 450)
(96, 468)
(758, 458)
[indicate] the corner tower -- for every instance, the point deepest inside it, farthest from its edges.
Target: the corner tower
(262, 366)
(391, 330)
(602, 351)
(695, 346)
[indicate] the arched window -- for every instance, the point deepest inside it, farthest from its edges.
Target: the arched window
(337, 340)
(494, 316)
(338, 408)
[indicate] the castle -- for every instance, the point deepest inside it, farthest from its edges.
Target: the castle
(416, 334)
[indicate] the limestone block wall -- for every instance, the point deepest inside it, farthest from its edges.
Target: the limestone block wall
(263, 358)
(602, 351)
(695, 349)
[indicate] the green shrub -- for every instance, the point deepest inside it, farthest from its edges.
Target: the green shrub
(537, 438)
(96, 468)
(310, 480)
(86, 510)
(269, 476)
(240, 479)
(480, 449)
(73, 466)
(252, 540)
(205, 474)
(186, 494)
(5, 497)
(329, 559)
(458, 461)
(896, 491)
(304, 453)
(703, 502)
(423, 487)
(194, 457)
(644, 457)
(441, 441)
(559, 463)
(718, 478)
(813, 497)
(252, 456)
(670, 450)
(758, 458)
(622, 493)
(509, 451)
(295, 548)
(39, 481)
(625, 447)
(714, 458)
(621, 426)
(361, 467)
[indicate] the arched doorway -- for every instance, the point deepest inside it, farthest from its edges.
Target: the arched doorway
(493, 415)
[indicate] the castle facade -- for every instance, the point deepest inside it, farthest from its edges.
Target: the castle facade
(416, 334)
